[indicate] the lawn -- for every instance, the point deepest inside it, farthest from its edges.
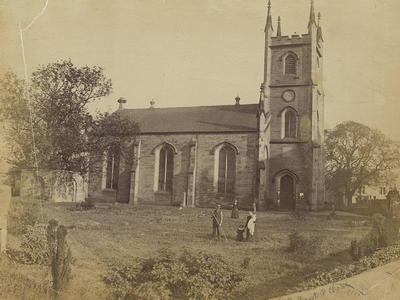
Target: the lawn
(116, 232)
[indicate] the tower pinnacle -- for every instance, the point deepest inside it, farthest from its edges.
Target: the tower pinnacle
(311, 20)
(279, 31)
(269, 19)
(319, 30)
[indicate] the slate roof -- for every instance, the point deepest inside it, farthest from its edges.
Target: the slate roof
(219, 118)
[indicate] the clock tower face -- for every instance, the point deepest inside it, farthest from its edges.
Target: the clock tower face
(289, 95)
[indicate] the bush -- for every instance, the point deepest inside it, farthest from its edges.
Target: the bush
(17, 281)
(298, 215)
(192, 275)
(22, 214)
(85, 205)
(384, 233)
(302, 245)
(341, 272)
(34, 248)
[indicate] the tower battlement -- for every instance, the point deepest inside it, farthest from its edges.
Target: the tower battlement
(290, 40)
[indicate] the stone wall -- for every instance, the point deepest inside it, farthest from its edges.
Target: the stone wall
(54, 186)
(193, 181)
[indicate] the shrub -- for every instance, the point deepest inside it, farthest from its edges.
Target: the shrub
(304, 245)
(298, 215)
(16, 281)
(384, 233)
(21, 215)
(34, 245)
(86, 205)
(341, 272)
(192, 275)
(33, 249)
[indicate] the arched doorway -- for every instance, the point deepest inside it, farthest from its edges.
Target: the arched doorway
(287, 199)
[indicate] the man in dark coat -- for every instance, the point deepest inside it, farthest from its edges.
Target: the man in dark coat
(217, 221)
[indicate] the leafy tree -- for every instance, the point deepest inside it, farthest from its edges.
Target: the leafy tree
(112, 133)
(64, 130)
(357, 155)
(15, 120)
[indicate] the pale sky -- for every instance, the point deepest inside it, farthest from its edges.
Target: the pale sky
(205, 52)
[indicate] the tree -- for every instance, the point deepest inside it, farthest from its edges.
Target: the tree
(357, 155)
(15, 120)
(59, 118)
(112, 133)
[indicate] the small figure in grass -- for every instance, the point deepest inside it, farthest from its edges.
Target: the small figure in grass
(235, 210)
(250, 226)
(217, 217)
(240, 233)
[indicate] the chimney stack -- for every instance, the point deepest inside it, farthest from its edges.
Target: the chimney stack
(121, 102)
(152, 103)
(237, 99)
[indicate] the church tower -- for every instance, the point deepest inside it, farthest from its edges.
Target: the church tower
(291, 118)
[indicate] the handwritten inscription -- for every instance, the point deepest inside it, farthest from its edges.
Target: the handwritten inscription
(332, 289)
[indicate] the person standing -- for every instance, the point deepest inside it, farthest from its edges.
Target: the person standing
(217, 217)
(250, 226)
(235, 210)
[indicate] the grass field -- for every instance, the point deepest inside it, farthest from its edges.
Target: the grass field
(118, 232)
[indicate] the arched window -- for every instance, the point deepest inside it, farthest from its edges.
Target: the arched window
(290, 124)
(226, 170)
(166, 169)
(112, 171)
(291, 64)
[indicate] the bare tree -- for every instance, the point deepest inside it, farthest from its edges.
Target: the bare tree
(357, 155)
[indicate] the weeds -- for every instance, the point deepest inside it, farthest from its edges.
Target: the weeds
(384, 233)
(304, 245)
(192, 275)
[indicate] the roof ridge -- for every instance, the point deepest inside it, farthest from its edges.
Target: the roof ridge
(200, 106)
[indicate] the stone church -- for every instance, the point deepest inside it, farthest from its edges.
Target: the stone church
(270, 152)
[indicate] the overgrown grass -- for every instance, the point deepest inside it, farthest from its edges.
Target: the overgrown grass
(110, 234)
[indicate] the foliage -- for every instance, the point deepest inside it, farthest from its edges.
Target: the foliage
(20, 282)
(298, 215)
(384, 232)
(58, 118)
(357, 155)
(85, 205)
(192, 275)
(34, 245)
(304, 245)
(114, 133)
(60, 257)
(34, 249)
(15, 119)
(21, 215)
(341, 272)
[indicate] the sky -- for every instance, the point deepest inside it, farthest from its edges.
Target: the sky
(206, 52)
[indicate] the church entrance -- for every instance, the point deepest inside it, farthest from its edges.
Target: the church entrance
(287, 200)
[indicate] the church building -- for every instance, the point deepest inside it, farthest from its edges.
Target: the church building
(270, 152)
